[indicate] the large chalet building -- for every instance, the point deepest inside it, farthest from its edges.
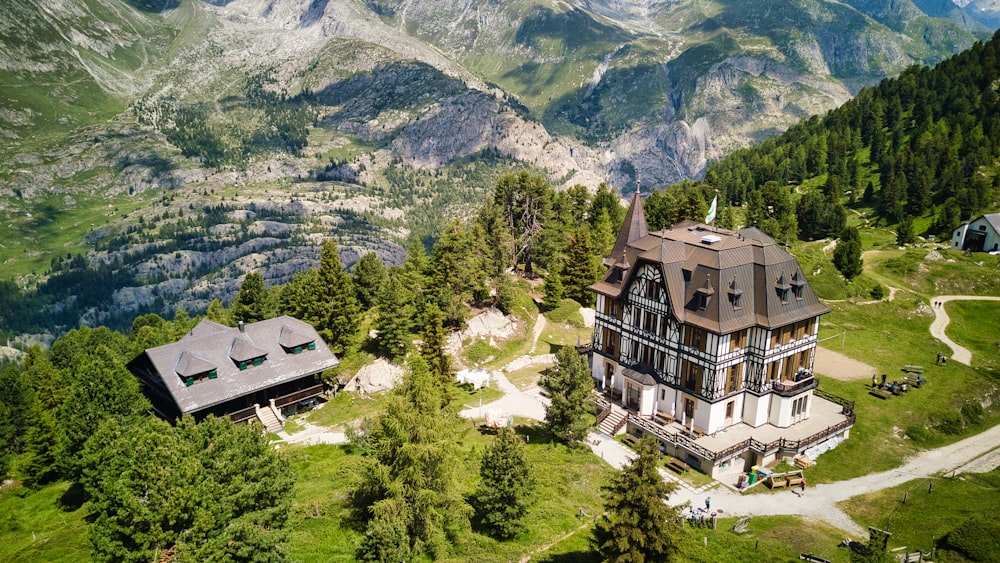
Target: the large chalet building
(255, 370)
(701, 331)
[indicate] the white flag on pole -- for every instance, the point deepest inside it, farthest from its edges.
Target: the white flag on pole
(711, 210)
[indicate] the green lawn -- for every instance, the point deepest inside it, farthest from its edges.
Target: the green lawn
(926, 516)
(35, 526)
(973, 325)
(568, 480)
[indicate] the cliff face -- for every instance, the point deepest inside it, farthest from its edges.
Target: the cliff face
(355, 119)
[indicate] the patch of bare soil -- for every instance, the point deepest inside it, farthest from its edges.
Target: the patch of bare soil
(838, 366)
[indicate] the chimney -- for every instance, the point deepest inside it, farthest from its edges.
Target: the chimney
(241, 327)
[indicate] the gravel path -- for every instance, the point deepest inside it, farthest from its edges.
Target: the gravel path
(941, 320)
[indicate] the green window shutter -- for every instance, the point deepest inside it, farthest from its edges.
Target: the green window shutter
(213, 374)
(243, 365)
(312, 345)
(298, 349)
(258, 361)
(188, 381)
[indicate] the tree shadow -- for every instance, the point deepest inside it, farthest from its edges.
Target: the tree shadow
(73, 498)
(154, 6)
(536, 434)
(579, 556)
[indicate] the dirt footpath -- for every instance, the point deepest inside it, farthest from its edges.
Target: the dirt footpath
(838, 366)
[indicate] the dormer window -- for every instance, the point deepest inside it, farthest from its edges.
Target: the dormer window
(244, 353)
(704, 293)
(798, 282)
(782, 287)
(735, 295)
(294, 342)
(192, 368)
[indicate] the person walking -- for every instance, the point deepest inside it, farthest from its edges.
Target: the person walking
(708, 503)
(802, 487)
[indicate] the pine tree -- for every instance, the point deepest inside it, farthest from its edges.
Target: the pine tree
(411, 480)
(553, 288)
(369, 275)
(847, 255)
(638, 526)
(506, 488)
(432, 336)
(570, 386)
(217, 313)
(338, 308)
(905, 233)
(394, 318)
(581, 268)
(252, 303)
(39, 465)
(101, 388)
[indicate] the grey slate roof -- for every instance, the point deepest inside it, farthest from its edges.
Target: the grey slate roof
(745, 277)
(213, 346)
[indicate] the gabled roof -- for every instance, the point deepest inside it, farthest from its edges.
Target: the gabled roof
(213, 346)
(290, 338)
(994, 221)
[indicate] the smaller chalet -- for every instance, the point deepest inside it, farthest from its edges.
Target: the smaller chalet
(980, 235)
(226, 371)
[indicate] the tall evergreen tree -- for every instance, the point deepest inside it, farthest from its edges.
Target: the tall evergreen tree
(369, 275)
(216, 312)
(553, 287)
(506, 488)
(525, 202)
(214, 491)
(394, 317)
(411, 480)
(39, 465)
(432, 336)
(570, 386)
(339, 311)
(253, 301)
(101, 388)
(581, 269)
(638, 526)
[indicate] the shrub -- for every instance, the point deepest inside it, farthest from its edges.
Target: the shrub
(978, 538)
(951, 423)
(973, 412)
(918, 433)
(878, 292)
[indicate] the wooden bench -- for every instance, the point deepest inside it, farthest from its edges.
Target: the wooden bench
(631, 439)
(880, 393)
(794, 481)
(913, 369)
(677, 465)
(916, 380)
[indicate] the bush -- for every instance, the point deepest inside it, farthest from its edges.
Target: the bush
(978, 538)
(878, 292)
(951, 423)
(568, 311)
(479, 352)
(918, 433)
(973, 413)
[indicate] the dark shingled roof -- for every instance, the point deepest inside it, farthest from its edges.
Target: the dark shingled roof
(633, 228)
(744, 274)
(213, 346)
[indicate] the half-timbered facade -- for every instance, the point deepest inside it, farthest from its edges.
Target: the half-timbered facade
(705, 327)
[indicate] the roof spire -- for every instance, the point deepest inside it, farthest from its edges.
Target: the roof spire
(632, 229)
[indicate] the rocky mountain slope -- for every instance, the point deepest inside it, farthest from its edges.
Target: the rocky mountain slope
(189, 141)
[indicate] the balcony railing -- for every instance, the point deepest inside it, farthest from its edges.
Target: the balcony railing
(685, 442)
(789, 388)
(314, 391)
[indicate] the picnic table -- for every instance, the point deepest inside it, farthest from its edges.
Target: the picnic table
(913, 368)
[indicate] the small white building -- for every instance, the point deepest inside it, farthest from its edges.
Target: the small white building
(979, 235)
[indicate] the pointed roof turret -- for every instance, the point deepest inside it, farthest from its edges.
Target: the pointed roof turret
(633, 229)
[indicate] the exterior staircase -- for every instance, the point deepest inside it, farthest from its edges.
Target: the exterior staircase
(270, 421)
(614, 423)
